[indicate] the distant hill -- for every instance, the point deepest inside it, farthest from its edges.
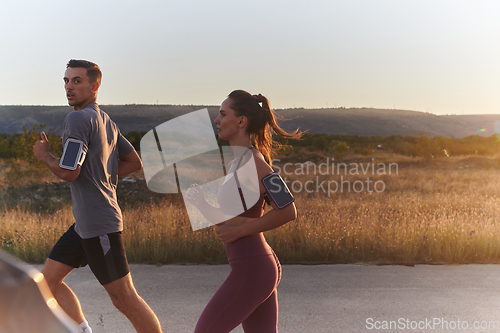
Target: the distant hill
(362, 121)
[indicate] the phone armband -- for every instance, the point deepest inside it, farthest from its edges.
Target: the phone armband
(276, 190)
(73, 154)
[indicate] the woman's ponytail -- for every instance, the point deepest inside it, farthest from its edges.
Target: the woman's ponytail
(261, 122)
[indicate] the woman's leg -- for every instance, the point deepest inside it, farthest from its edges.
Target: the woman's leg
(252, 280)
(264, 319)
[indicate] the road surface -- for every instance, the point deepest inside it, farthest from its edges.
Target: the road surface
(317, 298)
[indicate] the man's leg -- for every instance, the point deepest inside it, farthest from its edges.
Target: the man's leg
(125, 298)
(54, 273)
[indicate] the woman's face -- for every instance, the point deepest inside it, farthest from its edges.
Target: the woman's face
(227, 122)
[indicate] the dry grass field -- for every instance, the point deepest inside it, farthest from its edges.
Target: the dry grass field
(434, 211)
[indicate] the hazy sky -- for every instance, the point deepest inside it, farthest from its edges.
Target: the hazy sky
(437, 56)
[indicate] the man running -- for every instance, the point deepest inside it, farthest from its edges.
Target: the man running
(95, 154)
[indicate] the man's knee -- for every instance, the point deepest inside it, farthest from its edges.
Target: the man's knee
(54, 273)
(122, 293)
(124, 301)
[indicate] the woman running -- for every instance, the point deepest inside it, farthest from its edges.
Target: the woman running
(248, 296)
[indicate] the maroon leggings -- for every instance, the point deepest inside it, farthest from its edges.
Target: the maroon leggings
(248, 296)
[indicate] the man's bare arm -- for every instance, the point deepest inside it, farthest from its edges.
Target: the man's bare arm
(129, 164)
(41, 149)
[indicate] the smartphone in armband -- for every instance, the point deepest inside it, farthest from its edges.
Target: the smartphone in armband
(73, 154)
(276, 190)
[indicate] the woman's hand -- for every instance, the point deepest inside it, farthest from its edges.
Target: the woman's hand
(238, 220)
(228, 232)
(232, 230)
(195, 195)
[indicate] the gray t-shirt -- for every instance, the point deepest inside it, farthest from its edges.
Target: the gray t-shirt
(95, 206)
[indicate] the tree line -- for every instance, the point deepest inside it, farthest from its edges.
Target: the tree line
(20, 145)
(417, 146)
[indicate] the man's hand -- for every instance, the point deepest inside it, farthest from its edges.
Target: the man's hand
(41, 149)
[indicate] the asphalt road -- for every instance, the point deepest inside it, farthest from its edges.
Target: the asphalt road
(322, 298)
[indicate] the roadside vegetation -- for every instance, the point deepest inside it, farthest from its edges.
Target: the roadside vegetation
(433, 207)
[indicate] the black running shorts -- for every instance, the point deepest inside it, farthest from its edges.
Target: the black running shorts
(104, 254)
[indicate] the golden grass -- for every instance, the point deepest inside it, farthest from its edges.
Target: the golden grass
(162, 234)
(432, 211)
(30, 236)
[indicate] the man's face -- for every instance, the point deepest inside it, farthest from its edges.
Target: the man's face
(79, 90)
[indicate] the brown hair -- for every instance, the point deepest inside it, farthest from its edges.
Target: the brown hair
(261, 122)
(93, 71)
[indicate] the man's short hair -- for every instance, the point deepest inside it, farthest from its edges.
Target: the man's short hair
(93, 71)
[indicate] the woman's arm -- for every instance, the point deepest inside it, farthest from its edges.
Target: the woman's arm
(271, 220)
